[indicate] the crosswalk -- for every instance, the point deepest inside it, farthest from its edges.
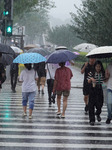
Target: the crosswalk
(47, 132)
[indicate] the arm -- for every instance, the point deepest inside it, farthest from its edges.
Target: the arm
(107, 75)
(84, 67)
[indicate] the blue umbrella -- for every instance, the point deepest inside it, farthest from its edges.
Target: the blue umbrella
(26, 58)
(60, 56)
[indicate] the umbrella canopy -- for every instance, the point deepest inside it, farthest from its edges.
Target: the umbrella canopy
(60, 47)
(27, 58)
(76, 53)
(43, 52)
(85, 47)
(60, 56)
(7, 59)
(101, 52)
(29, 46)
(5, 49)
(16, 49)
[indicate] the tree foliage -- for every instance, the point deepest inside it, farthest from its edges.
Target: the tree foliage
(63, 35)
(20, 7)
(93, 22)
(36, 23)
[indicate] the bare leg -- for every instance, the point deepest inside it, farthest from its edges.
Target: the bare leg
(30, 112)
(59, 103)
(64, 105)
(86, 97)
(24, 108)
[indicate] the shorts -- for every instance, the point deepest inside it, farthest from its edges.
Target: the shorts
(86, 89)
(65, 93)
(41, 81)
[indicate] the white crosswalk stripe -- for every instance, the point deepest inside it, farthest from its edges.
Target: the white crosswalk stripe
(45, 131)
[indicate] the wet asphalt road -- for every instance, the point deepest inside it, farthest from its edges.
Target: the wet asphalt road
(47, 132)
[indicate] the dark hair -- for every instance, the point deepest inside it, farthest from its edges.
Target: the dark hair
(62, 64)
(98, 62)
(28, 66)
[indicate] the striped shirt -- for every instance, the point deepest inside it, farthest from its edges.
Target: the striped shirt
(99, 77)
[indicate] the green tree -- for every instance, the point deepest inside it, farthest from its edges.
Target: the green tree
(20, 7)
(93, 22)
(63, 35)
(36, 23)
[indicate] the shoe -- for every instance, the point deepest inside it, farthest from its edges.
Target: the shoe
(30, 117)
(98, 118)
(24, 115)
(42, 91)
(58, 113)
(92, 123)
(108, 121)
(62, 116)
(86, 108)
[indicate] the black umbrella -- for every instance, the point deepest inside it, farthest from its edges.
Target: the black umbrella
(43, 52)
(5, 49)
(7, 59)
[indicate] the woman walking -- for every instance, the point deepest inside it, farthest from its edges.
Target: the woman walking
(96, 98)
(28, 77)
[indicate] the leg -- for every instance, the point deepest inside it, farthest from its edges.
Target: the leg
(31, 98)
(15, 80)
(24, 101)
(64, 105)
(59, 102)
(109, 106)
(12, 75)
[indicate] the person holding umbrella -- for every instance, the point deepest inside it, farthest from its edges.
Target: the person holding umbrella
(28, 77)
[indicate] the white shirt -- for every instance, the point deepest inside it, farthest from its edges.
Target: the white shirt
(109, 82)
(52, 69)
(28, 77)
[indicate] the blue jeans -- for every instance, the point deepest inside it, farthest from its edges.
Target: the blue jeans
(28, 96)
(109, 103)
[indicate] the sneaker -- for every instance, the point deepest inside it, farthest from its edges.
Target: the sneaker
(30, 117)
(98, 118)
(24, 115)
(108, 121)
(58, 113)
(92, 123)
(62, 116)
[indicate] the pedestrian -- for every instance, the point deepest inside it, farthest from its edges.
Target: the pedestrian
(14, 75)
(41, 71)
(108, 74)
(62, 85)
(86, 68)
(28, 77)
(2, 72)
(2, 75)
(96, 98)
(51, 68)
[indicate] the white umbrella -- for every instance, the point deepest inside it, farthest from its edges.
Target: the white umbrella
(101, 52)
(85, 47)
(16, 49)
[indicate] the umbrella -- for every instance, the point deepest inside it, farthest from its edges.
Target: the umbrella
(101, 52)
(76, 53)
(85, 47)
(26, 58)
(7, 59)
(16, 49)
(61, 56)
(60, 47)
(27, 47)
(6, 49)
(43, 52)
